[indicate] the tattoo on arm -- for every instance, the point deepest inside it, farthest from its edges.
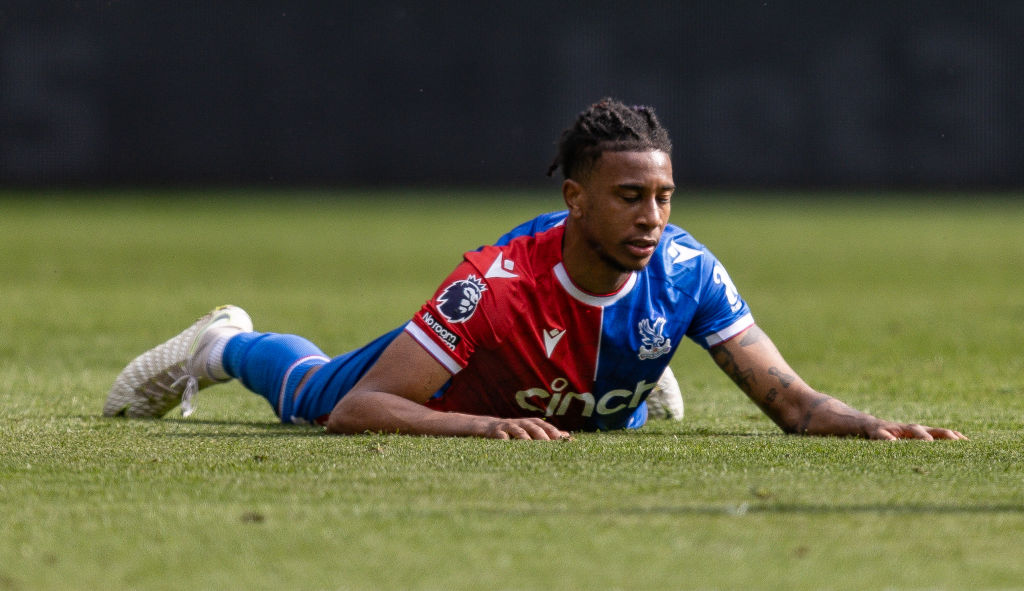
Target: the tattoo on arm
(744, 378)
(753, 335)
(785, 378)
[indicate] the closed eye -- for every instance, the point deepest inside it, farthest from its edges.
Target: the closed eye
(630, 193)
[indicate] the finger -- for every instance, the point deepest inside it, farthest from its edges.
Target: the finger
(559, 435)
(518, 432)
(535, 431)
(542, 430)
(884, 434)
(947, 434)
(902, 431)
(554, 432)
(914, 431)
(536, 428)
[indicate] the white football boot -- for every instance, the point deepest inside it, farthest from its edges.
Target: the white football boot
(666, 401)
(171, 373)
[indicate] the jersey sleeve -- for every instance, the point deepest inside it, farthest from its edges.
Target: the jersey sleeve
(539, 224)
(721, 313)
(457, 320)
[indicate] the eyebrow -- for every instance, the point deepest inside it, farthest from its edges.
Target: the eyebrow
(640, 187)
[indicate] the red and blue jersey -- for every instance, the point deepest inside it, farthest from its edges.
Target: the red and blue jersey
(521, 340)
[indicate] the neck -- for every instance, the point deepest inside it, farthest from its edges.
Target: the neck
(588, 269)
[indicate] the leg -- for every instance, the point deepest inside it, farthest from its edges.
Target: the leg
(274, 366)
(332, 381)
(271, 365)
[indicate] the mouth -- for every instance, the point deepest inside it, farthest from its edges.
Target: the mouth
(641, 247)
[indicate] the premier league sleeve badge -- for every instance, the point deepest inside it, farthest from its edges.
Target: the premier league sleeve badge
(459, 300)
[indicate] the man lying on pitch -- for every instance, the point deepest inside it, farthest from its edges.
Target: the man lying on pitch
(566, 324)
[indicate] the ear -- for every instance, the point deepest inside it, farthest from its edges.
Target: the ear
(572, 193)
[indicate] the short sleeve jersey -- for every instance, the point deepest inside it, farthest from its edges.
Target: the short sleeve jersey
(521, 340)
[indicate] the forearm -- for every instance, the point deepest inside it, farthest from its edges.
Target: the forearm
(814, 413)
(363, 411)
(391, 398)
(753, 362)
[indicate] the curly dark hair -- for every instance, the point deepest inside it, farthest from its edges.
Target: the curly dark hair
(608, 125)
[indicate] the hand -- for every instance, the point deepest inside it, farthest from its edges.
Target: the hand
(528, 428)
(891, 431)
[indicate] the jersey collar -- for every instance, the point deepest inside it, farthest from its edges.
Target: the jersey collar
(590, 299)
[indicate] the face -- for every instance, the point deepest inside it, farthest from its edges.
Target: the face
(620, 209)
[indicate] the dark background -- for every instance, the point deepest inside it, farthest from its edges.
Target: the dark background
(755, 94)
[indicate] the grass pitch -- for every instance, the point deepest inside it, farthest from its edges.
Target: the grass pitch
(909, 309)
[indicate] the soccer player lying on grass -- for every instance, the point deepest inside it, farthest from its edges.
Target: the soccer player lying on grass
(566, 324)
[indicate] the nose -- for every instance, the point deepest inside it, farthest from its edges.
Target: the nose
(650, 213)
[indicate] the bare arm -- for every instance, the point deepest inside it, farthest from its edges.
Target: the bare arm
(392, 394)
(757, 367)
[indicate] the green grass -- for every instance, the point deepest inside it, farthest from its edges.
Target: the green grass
(908, 308)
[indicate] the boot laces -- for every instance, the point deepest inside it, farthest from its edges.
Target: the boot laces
(191, 388)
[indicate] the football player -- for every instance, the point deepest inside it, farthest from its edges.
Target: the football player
(565, 324)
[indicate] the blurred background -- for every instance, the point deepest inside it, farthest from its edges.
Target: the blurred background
(759, 94)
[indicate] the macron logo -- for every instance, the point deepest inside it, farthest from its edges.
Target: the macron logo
(681, 254)
(501, 268)
(551, 338)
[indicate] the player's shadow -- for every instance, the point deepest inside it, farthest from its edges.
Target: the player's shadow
(744, 509)
(220, 427)
(212, 428)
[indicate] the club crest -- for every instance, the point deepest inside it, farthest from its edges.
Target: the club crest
(655, 344)
(459, 300)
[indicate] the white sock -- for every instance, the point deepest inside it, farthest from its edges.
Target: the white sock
(215, 358)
